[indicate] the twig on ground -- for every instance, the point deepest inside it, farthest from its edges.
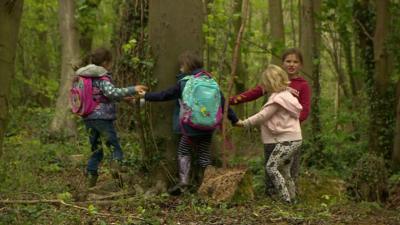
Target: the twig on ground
(114, 196)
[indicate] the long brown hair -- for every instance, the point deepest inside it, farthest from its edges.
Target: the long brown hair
(190, 61)
(100, 56)
(292, 51)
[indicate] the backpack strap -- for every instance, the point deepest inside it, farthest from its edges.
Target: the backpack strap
(203, 72)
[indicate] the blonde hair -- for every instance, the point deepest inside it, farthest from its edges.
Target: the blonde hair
(274, 79)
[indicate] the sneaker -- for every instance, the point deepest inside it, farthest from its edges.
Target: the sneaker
(178, 189)
(91, 180)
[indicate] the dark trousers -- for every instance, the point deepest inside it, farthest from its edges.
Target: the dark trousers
(96, 130)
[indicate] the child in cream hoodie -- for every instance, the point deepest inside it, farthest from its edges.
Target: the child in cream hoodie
(280, 129)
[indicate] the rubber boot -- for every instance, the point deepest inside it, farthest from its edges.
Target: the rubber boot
(184, 172)
(200, 175)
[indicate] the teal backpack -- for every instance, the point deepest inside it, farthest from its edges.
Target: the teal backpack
(200, 105)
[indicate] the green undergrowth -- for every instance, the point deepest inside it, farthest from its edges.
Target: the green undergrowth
(37, 167)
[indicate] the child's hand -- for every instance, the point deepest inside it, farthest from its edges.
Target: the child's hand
(141, 94)
(140, 88)
(239, 123)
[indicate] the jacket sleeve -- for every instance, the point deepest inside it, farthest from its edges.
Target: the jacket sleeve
(247, 96)
(113, 93)
(262, 116)
(166, 95)
(305, 101)
(231, 114)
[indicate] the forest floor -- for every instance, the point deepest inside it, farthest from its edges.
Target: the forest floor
(41, 183)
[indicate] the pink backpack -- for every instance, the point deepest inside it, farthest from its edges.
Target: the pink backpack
(81, 95)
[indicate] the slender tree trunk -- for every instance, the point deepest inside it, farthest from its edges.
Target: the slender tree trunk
(310, 46)
(63, 121)
(240, 76)
(396, 147)
(87, 30)
(292, 20)
(174, 26)
(234, 67)
(10, 18)
(277, 31)
(44, 67)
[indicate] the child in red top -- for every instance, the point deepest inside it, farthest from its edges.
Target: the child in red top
(292, 62)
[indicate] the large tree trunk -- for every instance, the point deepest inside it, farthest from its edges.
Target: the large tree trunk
(10, 17)
(380, 134)
(174, 26)
(310, 46)
(277, 31)
(63, 121)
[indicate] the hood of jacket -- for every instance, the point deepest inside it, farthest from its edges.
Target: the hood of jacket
(286, 100)
(92, 70)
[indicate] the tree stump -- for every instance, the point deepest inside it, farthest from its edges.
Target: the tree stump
(227, 185)
(369, 180)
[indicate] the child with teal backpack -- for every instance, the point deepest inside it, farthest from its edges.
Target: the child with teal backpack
(198, 113)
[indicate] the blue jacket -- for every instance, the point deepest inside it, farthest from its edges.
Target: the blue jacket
(175, 93)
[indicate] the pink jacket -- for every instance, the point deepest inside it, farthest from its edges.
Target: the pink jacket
(279, 118)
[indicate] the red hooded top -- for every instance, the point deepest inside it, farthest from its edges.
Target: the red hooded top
(300, 89)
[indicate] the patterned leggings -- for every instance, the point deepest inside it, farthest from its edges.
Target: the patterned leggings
(201, 145)
(278, 168)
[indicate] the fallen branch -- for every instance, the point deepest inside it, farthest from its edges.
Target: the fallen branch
(113, 196)
(106, 202)
(61, 202)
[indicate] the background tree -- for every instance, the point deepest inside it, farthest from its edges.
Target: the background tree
(174, 26)
(382, 95)
(310, 46)
(63, 120)
(10, 17)
(277, 39)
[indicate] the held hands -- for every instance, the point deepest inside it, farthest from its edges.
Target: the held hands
(239, 123)
(141, 88)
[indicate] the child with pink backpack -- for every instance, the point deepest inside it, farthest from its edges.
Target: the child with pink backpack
(93, 97)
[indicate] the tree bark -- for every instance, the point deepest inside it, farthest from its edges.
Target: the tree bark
(381, 55)
(240, 78)
(277, 31)
(234, 68)
(310, 46)
(380, 134)
(10, 18)
(174, 26)
(396, 147)
(63, 122)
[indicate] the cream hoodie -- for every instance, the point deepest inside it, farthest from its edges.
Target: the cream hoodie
(279, 118)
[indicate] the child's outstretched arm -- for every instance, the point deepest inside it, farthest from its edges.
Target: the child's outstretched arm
(231, 114)
(114, 93)
(261, 116)
(247, 96)
(166, 95)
